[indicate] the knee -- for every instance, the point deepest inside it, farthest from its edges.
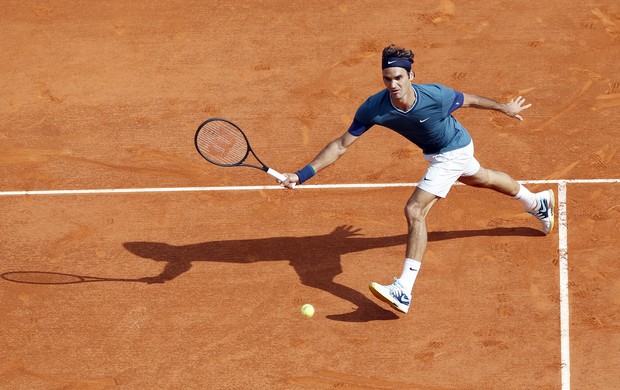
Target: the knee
(414, 213)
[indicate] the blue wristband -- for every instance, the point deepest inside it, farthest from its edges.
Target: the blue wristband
(305, 173)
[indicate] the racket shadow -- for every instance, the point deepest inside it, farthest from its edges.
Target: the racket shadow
(315, 259)
(55, 278)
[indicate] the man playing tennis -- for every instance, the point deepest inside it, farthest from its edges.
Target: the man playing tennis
(422, 114)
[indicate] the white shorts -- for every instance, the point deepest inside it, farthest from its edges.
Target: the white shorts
(446, 168)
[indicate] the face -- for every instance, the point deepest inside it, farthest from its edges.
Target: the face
(397, 81)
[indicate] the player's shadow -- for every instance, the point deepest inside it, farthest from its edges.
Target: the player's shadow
(316, 259)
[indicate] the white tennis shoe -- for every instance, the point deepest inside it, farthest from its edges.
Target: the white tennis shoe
(546, 210)
(394, 294)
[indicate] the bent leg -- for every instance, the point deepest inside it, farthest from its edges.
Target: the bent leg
(541, 205)
(416, 210)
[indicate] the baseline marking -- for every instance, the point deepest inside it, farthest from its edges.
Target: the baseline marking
(273, 187)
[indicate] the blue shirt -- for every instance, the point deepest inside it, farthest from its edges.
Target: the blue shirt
(428, 124)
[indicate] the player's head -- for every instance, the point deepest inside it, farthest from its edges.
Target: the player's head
(396, 65)
(397, 57)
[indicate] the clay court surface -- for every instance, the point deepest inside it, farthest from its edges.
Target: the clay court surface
(201, 287)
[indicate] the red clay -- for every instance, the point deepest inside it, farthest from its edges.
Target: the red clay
(109, 96)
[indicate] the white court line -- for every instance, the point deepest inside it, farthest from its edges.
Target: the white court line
(564, 307)
(274, 187)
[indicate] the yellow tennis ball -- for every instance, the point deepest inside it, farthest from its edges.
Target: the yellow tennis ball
(307, 310)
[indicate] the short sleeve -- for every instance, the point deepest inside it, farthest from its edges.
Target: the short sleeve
(450, 100)
(457, 102)
(362, 120)
(357, 128)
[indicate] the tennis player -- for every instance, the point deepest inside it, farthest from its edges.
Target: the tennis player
(422, 113)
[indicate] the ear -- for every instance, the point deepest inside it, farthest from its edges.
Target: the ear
(411, 75)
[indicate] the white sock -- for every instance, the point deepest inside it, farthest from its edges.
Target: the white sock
(527, 198)
(410, 272)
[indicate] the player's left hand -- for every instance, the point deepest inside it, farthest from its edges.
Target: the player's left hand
(515, 106)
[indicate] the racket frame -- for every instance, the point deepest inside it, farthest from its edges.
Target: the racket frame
(240, 163)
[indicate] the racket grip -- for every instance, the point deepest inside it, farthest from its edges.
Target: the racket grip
(277, 175)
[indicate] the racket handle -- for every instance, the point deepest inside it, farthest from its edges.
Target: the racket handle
(277, 175)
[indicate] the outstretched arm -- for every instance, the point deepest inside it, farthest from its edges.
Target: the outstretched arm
(330, 153)
(512, 108)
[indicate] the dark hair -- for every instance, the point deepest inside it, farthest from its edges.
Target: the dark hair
(396, 51)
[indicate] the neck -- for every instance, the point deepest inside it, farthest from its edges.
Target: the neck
(407, 101)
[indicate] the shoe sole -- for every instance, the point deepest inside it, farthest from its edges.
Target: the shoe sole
(384, 299)
(552, 211)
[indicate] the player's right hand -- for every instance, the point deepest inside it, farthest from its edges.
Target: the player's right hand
(291, 180)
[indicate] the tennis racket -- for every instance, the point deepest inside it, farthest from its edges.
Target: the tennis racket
(223, 143)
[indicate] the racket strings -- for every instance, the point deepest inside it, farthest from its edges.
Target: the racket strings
(222, 143)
